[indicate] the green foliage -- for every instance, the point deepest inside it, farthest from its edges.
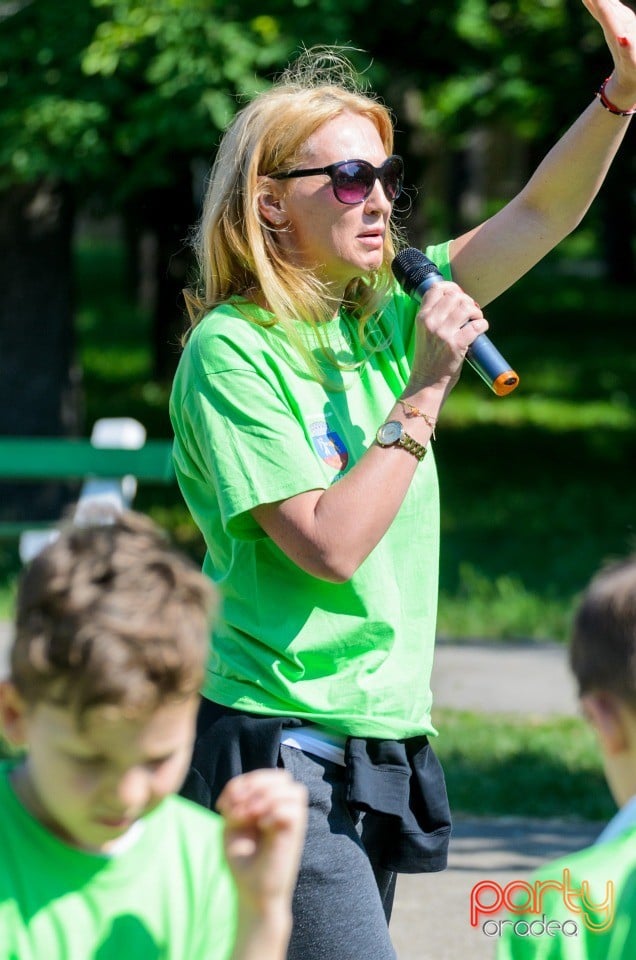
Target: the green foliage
(477, 602)
(9, 565)
(499, 62)
(51, 118)
(113, 342)
(502, 765)
(536, 494)
(181, 68)
(119, 89)
(123, 97)
(112, 91)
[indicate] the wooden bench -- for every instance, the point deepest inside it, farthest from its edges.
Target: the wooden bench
(111, 463)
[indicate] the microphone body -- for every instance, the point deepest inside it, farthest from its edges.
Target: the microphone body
(416, 274)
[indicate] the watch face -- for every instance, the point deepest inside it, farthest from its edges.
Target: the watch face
(390, 432)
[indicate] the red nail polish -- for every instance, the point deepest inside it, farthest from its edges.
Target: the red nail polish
(624, 42)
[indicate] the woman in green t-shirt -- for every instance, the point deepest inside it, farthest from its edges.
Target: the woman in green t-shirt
(303, 407)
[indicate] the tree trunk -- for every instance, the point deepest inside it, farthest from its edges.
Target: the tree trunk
(173, 264)
(156, 228)
(38, 387)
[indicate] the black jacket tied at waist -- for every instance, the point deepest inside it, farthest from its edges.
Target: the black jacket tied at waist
(401, 784)
(398, 784)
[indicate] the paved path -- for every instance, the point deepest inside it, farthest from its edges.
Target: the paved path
(431, 918)
(527, 677)
(431, 914)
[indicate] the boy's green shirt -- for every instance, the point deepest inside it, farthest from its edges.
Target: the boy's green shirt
(169, 896)
(600, 924)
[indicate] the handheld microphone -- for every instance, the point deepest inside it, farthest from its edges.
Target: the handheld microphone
(416, 273)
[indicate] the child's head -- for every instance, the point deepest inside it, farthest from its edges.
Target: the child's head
(603, 644)
(110, 615)
(603, 660)
(111, 640)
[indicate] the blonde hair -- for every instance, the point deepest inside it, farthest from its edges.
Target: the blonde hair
(238, 253)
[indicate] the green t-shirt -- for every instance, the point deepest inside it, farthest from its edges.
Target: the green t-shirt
(168, 896)
(587, 912)
(251, 427)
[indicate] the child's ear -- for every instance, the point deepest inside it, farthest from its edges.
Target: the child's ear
(12, 715)
(605, 713)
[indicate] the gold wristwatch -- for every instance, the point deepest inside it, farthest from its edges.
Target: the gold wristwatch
(392, 433)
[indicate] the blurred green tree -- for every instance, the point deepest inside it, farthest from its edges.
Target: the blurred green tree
(48, 120)
(121, 103)
(107, 100)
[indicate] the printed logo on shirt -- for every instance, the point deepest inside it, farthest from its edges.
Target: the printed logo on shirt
(329, 446)
(520, 897)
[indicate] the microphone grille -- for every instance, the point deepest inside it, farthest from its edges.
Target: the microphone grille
(411, 267)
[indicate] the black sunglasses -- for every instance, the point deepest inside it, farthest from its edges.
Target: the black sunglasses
(352, 180)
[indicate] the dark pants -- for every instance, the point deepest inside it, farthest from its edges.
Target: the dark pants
(343, 898)
(342, 902)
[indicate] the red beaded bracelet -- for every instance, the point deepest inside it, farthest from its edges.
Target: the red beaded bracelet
(612, 106)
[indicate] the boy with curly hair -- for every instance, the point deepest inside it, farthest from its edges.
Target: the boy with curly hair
(98, 858)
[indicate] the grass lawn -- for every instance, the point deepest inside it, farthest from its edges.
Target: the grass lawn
(501, 765)
(537, 489)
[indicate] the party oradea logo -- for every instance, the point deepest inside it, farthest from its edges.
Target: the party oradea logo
(527, 902)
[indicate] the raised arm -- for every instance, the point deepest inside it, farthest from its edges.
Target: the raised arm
(491, 257)
(265, 814)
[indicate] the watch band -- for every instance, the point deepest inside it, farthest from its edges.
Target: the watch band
(417, 449)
